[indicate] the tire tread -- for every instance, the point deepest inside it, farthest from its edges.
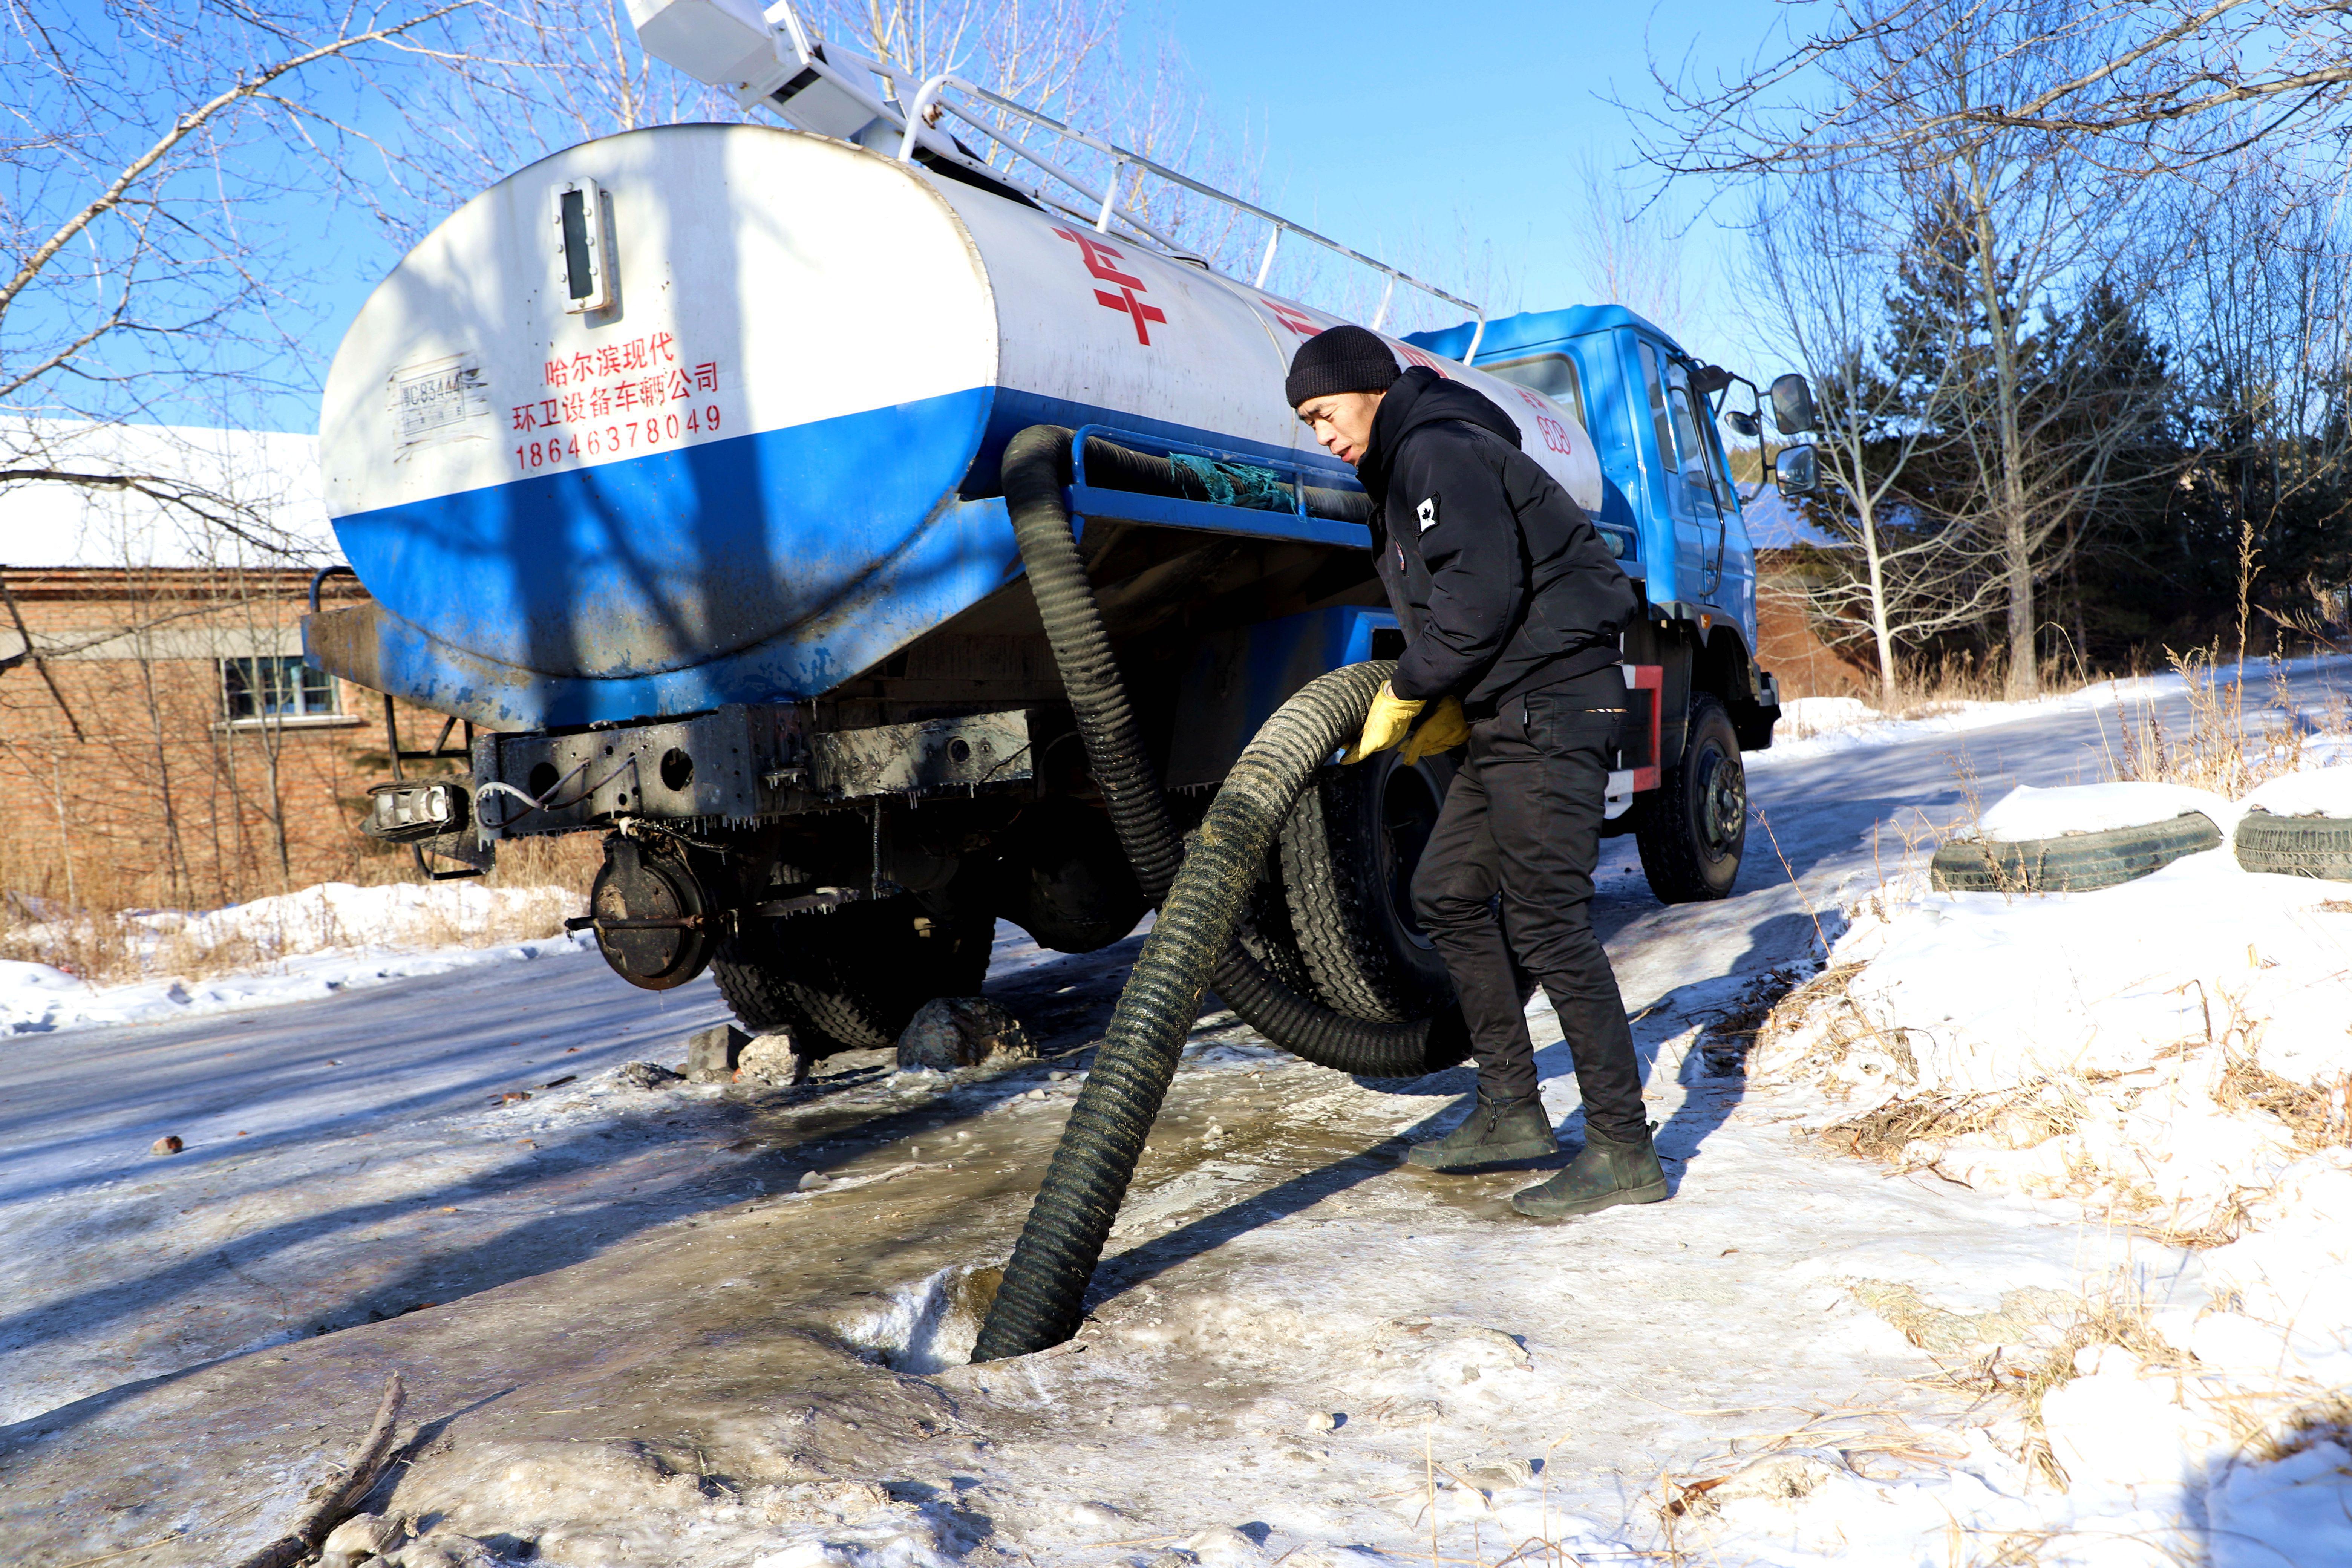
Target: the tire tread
(2296, 845)
(2076, 863)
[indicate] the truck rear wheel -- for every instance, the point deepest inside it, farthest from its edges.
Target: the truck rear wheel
(1695, 827)
(1349, 850)
(852, 979)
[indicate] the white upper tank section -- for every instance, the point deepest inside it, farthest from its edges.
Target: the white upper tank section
(744, 279)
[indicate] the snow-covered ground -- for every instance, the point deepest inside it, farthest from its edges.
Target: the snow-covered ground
(1814, 727)
(287, 948)
(2174, 1055)
(703, 1324)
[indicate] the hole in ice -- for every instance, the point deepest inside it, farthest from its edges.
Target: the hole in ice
(928, 1325)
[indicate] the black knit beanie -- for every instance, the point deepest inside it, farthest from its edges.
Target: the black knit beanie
(1344, 359)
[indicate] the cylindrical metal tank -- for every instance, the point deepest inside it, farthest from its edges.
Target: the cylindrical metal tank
(721, 438)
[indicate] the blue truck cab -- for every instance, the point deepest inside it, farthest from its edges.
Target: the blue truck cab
(1671, 507)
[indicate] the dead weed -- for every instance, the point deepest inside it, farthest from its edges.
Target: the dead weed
(2318, 1115)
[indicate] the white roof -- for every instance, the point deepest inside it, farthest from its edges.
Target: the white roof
(252, 497)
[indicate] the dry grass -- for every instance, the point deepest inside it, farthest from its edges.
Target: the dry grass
(2317, 1115)
(110, 939)
(2019, 1117)
(2218, 753)
(1732, 1034)
(2327, 1420)
(1930, 688)
(1823, 1013)
(2231, 744)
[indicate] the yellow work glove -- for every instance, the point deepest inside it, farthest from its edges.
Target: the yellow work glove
(1445, 727)
(1384, 726)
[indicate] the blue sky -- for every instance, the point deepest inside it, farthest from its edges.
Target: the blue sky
(1381, 118)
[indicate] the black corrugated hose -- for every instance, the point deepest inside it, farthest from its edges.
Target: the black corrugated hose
(1041, 1300)
(1036, 463)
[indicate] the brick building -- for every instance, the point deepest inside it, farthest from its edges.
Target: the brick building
(161, 743)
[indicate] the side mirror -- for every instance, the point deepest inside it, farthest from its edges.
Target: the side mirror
(1796, 470)
(1742, 422)
(1792, 404)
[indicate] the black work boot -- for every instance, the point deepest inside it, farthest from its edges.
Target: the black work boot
(1605, 1173)
(1497, 1129)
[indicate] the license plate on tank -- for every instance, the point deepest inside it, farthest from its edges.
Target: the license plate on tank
(440, 400)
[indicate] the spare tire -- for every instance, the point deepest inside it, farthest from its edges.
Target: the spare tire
(2296, 845)
(2076, 863)
(1348, 849)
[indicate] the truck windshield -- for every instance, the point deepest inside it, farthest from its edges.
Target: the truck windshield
(1554, 375)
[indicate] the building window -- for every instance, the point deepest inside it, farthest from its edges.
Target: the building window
(275, 688)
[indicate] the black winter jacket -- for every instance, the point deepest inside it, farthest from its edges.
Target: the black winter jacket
(1501, 583)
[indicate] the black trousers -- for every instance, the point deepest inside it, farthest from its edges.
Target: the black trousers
(1523, 818)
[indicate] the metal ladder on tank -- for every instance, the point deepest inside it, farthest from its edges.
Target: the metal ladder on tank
(814, 87)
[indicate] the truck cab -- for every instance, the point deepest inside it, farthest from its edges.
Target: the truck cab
(1671, 511)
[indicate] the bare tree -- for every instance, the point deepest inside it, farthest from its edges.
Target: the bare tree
(2261, 299)
(2145, 84)
(149, 151)
(1626, 247)
(1826, 254)
(2014, 217)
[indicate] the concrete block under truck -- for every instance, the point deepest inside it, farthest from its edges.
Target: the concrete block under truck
(685, 468)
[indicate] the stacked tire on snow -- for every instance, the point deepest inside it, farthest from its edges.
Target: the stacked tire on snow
(2076, 863)
(2296, 845)
(2082, 862)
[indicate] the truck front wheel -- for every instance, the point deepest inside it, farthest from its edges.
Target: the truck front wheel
(1694, 828)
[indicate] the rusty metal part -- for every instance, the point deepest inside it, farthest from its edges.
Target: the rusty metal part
(910, 759)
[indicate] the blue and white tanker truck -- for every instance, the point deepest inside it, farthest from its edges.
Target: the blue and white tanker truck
(687, 472)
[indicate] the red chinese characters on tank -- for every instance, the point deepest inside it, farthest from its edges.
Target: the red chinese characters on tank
(614, 399)
(1290, 316)
(1101, 261)
(1554, 433)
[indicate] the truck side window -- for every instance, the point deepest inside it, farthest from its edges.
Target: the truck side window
(1687, 445)
(1554, 375)
(1659, 422)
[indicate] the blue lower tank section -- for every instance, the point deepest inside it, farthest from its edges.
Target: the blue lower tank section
(961, 554)
(657, 563)
(763, 568)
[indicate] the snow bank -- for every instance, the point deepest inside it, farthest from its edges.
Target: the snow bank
(1802, 717)
(293, 947)
(2174, 1055)
(2311, 792)
(2128, 1048)
(2026, 812)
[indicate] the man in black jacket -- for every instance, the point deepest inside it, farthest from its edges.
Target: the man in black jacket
(1511, 604)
